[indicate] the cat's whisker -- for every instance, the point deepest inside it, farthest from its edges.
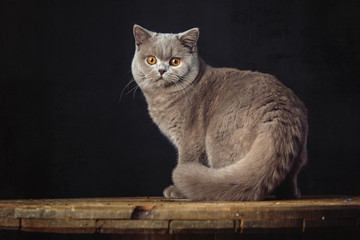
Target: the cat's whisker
(133, 89)
(127, 85)
(139, 86)
(146, 81)
(134, 93)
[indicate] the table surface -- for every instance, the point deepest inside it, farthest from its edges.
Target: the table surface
(156, 215)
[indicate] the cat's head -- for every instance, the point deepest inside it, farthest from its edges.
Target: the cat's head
(164, 60)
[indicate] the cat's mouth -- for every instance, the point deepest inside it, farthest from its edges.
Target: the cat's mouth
(162, 82)
(162, 78)
(159, 79)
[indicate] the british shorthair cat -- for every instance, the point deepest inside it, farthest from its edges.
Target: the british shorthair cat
(240, 135)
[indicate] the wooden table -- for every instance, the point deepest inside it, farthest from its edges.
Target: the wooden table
(156, 215)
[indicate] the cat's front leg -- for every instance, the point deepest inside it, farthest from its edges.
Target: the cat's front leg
(186, 155)
(172, 192)
(192, 153)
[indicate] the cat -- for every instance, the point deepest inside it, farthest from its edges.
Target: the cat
(240, 135)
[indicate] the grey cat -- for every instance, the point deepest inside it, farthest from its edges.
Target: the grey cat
(239, 134)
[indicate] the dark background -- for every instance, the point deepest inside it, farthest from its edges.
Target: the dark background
(64, 132)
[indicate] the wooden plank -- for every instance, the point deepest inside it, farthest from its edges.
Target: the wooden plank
(6, 211)
(183, 211)
(158, 215)
(58, 226)
(202, 226)
(9, 223)
(73, 211)
(100, 212)
(132, 226)
(271, 225)
(38, 211)
(330, 223)
(248, 212)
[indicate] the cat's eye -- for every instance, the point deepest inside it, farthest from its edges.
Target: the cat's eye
(151, 60)
(175, 61)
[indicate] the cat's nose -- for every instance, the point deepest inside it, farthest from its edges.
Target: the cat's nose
(162, 71)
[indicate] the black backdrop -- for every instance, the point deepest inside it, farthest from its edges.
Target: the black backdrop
(64, 132)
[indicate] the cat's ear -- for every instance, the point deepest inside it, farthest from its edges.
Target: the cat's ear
(141, 34)
(189, 39)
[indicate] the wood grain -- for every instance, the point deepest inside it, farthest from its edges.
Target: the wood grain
(156, 215)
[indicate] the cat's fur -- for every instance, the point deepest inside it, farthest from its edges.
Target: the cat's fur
(239, 134)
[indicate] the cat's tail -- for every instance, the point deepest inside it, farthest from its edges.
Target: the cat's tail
(257, 174)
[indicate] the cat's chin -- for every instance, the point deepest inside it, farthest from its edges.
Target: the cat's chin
(163, 82)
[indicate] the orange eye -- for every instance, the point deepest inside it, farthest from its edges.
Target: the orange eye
(175, 61)
(151, 60)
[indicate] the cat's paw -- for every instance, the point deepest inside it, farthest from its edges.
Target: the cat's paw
(172, 192)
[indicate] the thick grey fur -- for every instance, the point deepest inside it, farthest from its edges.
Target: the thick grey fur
(239, 134)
